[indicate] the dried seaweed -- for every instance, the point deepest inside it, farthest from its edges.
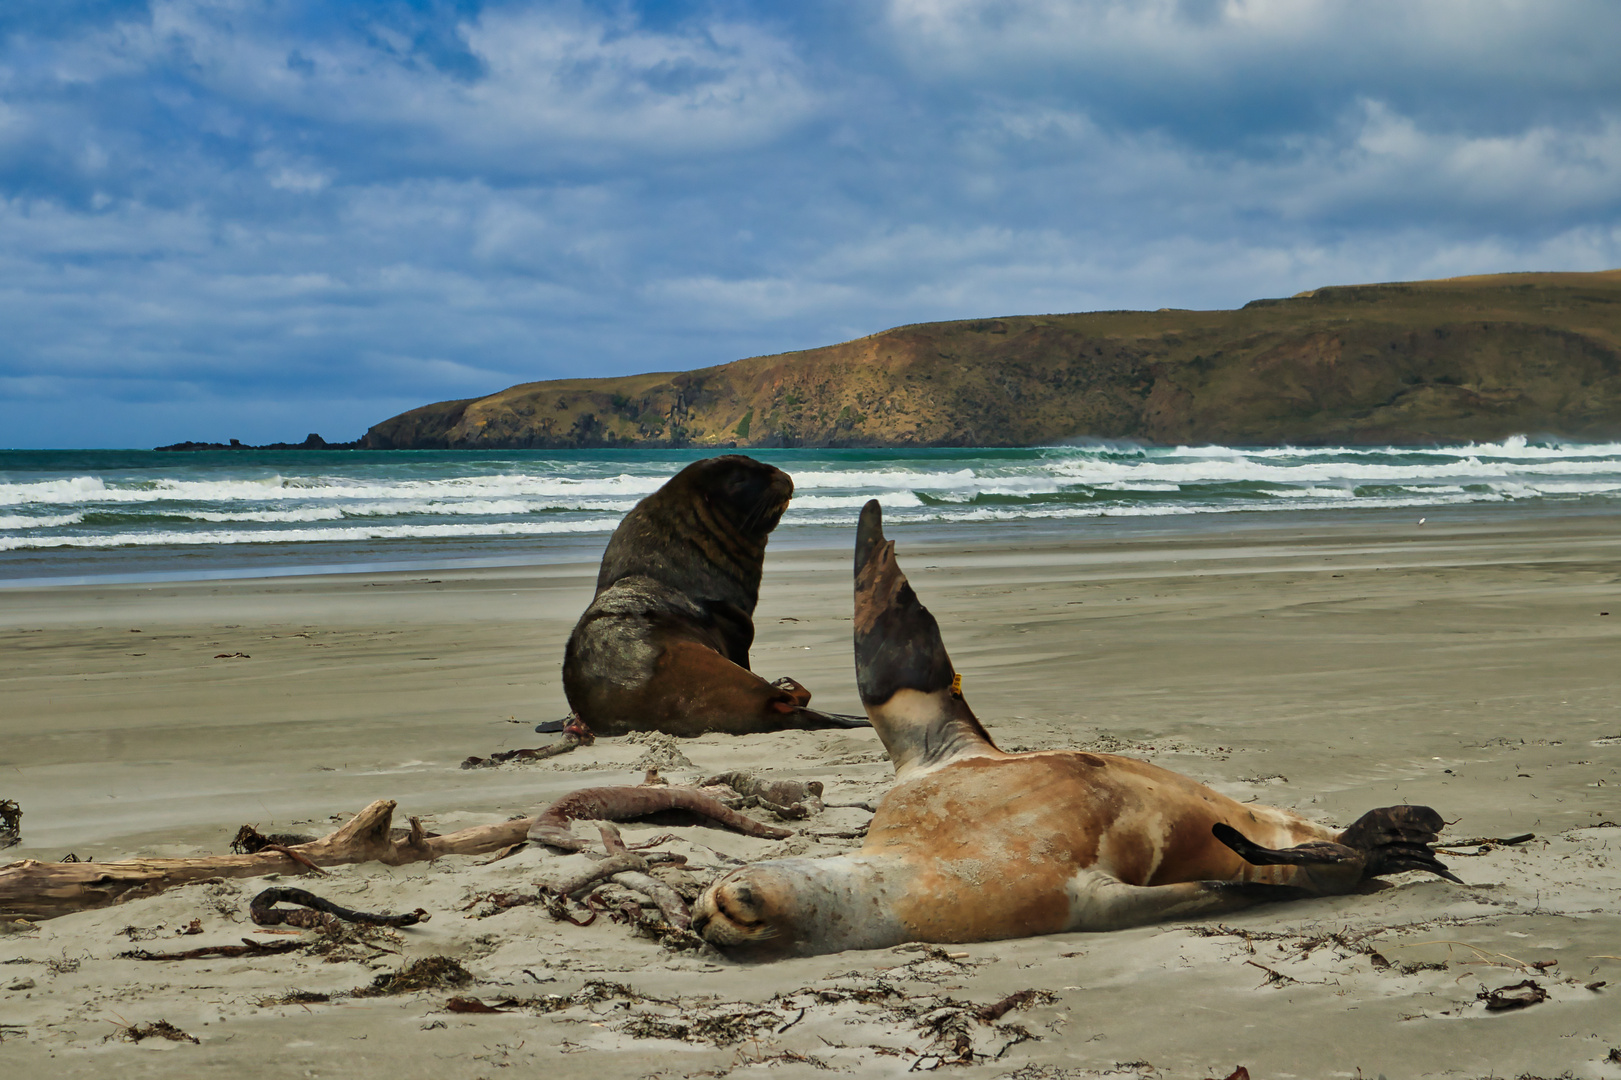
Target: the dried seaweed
(429, 973)
(11, 823)
(157, 1029)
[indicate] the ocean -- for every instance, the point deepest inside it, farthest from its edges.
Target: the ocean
(102, 515)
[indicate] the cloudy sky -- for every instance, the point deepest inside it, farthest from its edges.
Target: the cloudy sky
(261, 218)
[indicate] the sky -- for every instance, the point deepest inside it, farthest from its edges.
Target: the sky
(257, 219)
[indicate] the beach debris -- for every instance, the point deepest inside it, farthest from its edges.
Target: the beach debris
(469, 1005)
(11, 823)
(629, 869)
(927, 1030)
(232, 656)
(1484, 844)
(790, 800)
(248, 948)
(157, 1029)
(318, 913)
(39, 890)
(1242, 1073)
(575, 735)
(1519, 996)
(250, 840)
(1021, 999)
(429, 973)
(295, 997)
(551, 826)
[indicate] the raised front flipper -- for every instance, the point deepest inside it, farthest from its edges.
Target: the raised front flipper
(905, 677)
(1384, 841)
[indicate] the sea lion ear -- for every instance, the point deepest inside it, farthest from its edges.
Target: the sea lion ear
(869, 533)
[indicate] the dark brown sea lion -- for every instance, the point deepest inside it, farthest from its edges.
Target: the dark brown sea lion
(974, 844)
(664, 645)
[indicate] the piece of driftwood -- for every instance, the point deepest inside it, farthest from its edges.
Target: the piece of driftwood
(791, 800)
(551, 826)
(575, 734)
(38, 890)
(248, 947)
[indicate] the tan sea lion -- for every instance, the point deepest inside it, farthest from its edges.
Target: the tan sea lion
(664, 645)
(974, 844)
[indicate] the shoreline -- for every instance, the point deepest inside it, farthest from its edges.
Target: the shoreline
(1323, 664)
(177, 564)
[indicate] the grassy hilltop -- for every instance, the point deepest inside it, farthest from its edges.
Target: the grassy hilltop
(1417, 362)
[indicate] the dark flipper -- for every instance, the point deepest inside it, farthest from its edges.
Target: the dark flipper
(1398, 838)
(798, 718)
(1384, 841)
(1317, 853)
(813, 719)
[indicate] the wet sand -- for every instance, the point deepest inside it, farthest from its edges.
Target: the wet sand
(1328, 666)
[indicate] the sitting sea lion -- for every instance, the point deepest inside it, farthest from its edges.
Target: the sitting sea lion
(664, 645)
(973, 844)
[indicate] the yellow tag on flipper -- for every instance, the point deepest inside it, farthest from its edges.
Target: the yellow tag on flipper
(956, 685)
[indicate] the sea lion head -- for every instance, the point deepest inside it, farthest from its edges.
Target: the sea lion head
(704, 532)
(749, 494)
(750, 914)
(788, 907)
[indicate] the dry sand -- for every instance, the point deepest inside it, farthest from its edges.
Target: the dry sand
(1326, 667)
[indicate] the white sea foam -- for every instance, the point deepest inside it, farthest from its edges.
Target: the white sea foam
(41, 521)
(436, 497)
(293, 536)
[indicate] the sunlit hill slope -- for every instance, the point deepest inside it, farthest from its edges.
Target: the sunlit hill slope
(1419, 362)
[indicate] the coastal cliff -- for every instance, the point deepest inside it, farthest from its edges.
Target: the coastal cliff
(1409, 363)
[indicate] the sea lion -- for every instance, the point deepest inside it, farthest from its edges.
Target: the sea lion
(974, 844)
(664, 645)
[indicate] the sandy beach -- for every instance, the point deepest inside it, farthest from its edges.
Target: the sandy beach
(1326, 665)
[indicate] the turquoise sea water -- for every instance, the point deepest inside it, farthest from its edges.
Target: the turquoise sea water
(75, 514)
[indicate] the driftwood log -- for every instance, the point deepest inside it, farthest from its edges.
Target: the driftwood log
(31, 889)
(40, 890)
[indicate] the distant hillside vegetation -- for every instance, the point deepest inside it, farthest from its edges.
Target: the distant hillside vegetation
(1420, 362)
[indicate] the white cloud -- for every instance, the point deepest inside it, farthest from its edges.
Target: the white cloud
(267, 200)
(557, 82)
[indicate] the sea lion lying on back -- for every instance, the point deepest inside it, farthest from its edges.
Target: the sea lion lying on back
(973, 844)
(664, 645)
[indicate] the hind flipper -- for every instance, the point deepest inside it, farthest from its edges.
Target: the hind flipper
(1398, 838)
(1389, 840)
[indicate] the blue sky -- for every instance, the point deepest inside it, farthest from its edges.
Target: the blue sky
(260, 218)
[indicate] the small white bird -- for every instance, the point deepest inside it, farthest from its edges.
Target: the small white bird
(1422, 520)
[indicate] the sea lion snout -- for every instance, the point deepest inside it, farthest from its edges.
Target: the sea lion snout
(741, 915)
